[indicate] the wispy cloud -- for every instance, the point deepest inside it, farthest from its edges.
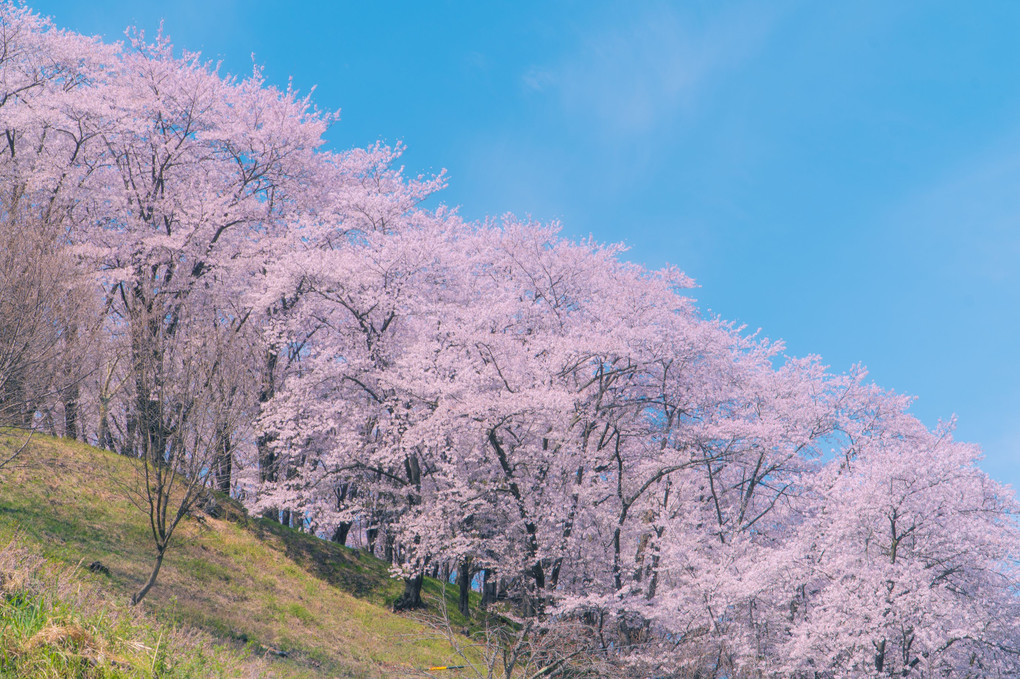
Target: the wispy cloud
(539, 79)
(631, 75)
(968, 216)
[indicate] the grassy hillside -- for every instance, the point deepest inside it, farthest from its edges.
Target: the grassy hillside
(245, 585)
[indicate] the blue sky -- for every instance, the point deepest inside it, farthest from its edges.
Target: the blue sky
(843, 176)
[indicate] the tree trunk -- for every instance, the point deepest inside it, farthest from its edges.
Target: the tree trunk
(49, 422)
(340, 534)
(464, 583)
(128, 444)
(223, 464)
(343, 492)
(140, 594)
(264, 443)
(370, 535)
(154, 435)
(71, 393)
(105, 436)
(71, 412)
(411, 598)
(490, 588)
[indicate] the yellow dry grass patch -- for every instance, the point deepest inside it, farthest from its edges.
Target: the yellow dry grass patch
(72, 639)
(64, 636)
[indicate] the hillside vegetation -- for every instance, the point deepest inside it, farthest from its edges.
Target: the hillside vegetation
(236, 595)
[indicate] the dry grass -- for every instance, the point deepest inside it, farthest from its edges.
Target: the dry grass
(64, 636)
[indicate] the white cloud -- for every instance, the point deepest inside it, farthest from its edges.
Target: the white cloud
(538, 79)
(631, 75)
(966, 220)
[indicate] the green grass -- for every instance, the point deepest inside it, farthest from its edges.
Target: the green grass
(248, 583)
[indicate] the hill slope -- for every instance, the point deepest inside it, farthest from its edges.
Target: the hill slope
(249, 583)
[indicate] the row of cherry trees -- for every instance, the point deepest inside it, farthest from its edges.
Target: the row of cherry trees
(550, 423)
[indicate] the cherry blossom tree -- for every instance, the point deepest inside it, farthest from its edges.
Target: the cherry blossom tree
(339, 304)
(45, 319)
(907, 563)
(163, 172)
